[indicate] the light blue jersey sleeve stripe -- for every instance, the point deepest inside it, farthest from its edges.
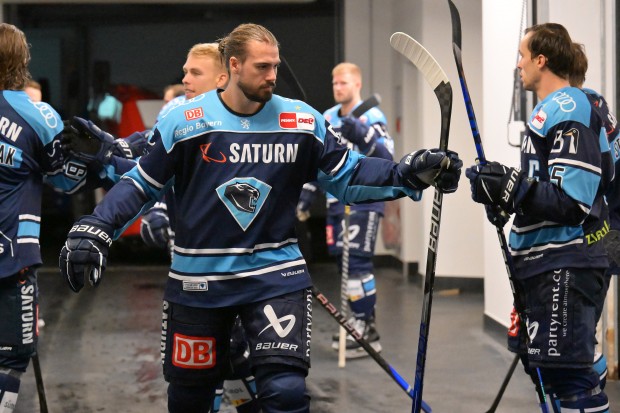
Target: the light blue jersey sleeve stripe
(580, 185)
(29, 229)
(357, 193)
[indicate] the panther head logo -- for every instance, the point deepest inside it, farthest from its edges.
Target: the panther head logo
(243, 196)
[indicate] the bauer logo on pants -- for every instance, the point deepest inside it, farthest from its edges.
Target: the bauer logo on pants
(193, 352)
(277, 323)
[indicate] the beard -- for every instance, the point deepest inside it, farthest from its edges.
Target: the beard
(261, 94)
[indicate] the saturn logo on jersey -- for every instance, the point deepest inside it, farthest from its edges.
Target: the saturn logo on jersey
(205, 149)
(193, 352)
(292, 120)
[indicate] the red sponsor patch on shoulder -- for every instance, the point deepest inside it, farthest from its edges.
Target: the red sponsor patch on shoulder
(194, 113)
(292, 120)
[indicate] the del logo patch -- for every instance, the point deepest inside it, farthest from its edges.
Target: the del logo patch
(293, 120)
(539, 119)
(195, 113)
(193, 352)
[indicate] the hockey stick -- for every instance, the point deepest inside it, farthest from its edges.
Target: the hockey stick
(36, 366)
(365, 106)
(342, 320)
(362, 108)
(291, 80)
(436, 77)
(502, 389)
(344, 288)
(519, 305)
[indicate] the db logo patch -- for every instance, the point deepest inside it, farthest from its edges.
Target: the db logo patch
(193, 352)
(292, 120)
(193, 113)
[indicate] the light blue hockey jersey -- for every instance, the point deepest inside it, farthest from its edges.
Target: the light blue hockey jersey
(563, 219)
(237, 180)
(30, 156)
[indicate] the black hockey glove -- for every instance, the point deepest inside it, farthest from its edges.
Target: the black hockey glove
(308, 193)
(356, 132)
(155, 227)
(86, 142)
(496, 184)
(426, 167)
(131, 147)
(85, 252)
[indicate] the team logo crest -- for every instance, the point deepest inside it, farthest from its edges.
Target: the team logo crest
(244, 198)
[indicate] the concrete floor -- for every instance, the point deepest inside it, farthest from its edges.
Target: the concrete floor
(99, 350)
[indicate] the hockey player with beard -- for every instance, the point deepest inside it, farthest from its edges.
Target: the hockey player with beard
(560, 221)
(238, 159)
(204, 70)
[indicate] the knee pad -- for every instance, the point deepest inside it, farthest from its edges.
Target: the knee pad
(361, 290)
(586, 402)
(9, 389)
(282, 389)
(566, 383)
(190, 399)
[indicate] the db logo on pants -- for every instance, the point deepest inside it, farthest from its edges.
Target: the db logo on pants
(193, 352)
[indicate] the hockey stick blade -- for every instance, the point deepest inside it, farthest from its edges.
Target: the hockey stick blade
(433, 74)
(365, 106)
(519, 305)
(437, 79)
(342, 320)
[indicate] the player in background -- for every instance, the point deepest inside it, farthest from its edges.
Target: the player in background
(367, 135)
(204, 70)
(34, 150)
(238, 159)
(173, 91)
(33, 89)
(560, 219)
(599, 104)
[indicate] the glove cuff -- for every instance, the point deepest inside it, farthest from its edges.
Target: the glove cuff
(92, 228)
(514, 190)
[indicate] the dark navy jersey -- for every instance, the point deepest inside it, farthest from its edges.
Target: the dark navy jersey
(375, 119)
(563, 218)
(611, 129)
(29, 156)
(237, 179)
